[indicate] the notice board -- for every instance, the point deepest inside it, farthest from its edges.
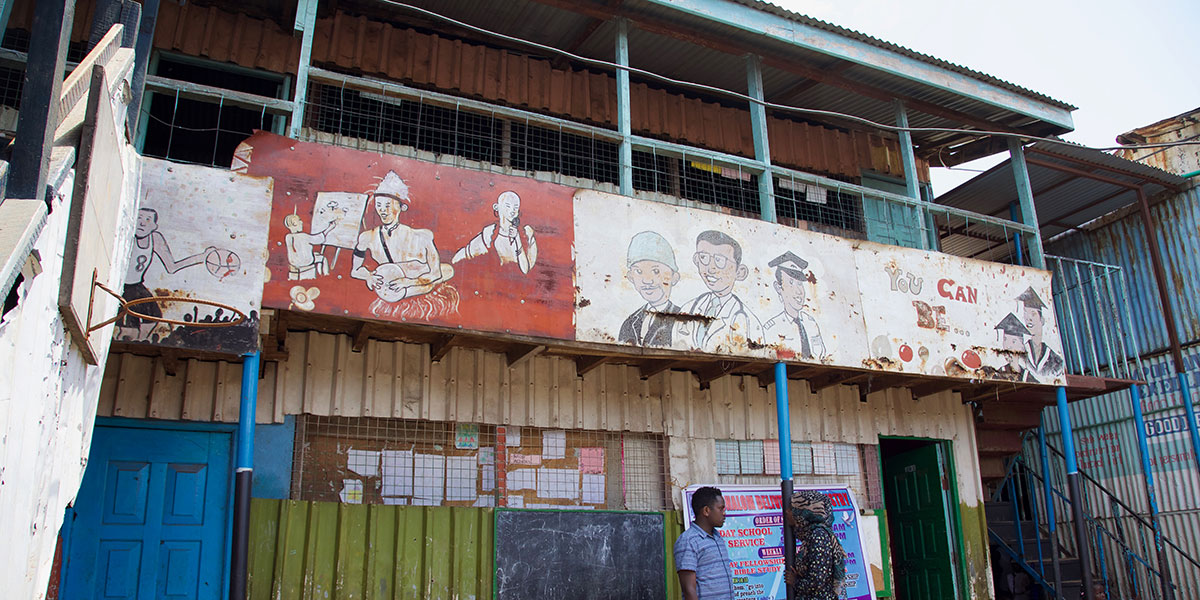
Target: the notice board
(579, 554)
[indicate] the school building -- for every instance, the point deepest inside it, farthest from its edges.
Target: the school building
(393, 268)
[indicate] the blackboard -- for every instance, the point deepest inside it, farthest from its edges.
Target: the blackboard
(597, 555)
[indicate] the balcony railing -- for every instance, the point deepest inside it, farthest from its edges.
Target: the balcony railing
(1095, 321)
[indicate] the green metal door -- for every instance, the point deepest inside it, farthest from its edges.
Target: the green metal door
(919, 522)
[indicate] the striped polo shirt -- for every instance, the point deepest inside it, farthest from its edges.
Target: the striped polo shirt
(705, 554)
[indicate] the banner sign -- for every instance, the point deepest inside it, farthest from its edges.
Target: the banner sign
(753, 535)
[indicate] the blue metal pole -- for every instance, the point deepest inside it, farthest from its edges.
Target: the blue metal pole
(785, 463)
(624, 120)
(1074, 489)
(244, 478)
(1135, 401)
(1014, 213)
(1190, 409)
(1051, 520)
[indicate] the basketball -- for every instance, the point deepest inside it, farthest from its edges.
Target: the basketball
(222, 263)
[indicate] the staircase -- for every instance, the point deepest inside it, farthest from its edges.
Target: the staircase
(1031, 526)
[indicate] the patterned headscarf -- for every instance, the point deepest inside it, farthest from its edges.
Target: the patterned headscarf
(811, 507)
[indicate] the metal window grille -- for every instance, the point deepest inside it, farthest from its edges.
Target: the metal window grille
(813, 463)
(201, 131)
(433, 463)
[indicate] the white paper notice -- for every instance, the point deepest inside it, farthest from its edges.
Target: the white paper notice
(461, 472)
(558, 483)
(522, 479)
(593, 489)
(390, 501)
(516, 502)
(429, 476)
(352, 491)
(554, 444)
(487, 455)
(364, 462)
(397, 473)
(485, 501)
(488, 481)
(513, 438)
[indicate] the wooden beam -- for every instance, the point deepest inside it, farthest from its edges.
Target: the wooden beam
(362, 333)
(929, 388)
(438, 349)
(169, 359)
(521, 353)
(651, 368)
(587, 364)
(716, 371)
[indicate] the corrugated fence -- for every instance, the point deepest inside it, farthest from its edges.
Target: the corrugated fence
(1123, 243)
(328, 551)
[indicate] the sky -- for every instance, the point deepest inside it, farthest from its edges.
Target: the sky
(1124, 63)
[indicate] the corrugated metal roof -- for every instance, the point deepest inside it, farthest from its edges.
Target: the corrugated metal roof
(874, 41)
(1063, 201)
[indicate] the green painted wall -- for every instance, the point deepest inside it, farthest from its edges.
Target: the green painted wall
(329, 551)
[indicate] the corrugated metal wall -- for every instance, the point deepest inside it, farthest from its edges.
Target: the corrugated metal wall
(1106, 442)
(327, 551)
(1123, 243)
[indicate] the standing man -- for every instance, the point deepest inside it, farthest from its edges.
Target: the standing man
(304, 261)
(793, 328)
(415, 267)
(718, 258)
(1042, 362)
(650, 267)
(701, 559)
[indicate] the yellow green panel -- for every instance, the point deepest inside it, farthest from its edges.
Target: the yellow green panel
(329, 551)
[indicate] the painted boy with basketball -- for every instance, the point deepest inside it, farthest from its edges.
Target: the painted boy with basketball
(149, 243)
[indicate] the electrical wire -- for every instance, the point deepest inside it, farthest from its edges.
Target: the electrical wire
(981, 133)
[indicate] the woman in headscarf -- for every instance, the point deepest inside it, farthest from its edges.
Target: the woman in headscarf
(820, 566)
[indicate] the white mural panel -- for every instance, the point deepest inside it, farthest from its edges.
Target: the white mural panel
(659, 276)
(939, 314)
(656, 275)
(201, 234)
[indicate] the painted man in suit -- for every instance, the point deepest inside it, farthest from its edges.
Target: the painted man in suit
(728, 324)
(650, 267)
(793, 328)
(1042, 363)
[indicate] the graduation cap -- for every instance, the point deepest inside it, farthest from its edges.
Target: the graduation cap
(1011, 325)
(790, 263)
(1031, 300)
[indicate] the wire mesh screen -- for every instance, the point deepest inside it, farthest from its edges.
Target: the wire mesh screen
(806, 205)
(813, 463)
(430, 463)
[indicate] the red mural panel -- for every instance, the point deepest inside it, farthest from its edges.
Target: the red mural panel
(387, 238)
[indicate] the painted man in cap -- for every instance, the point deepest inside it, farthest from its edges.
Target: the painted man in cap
(407, 260)
(793, 328)
(511, 242)
(718, 259)
(1042, 362)
(1013, 333)
(650, 267)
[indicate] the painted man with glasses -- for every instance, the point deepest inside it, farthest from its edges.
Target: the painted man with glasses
(724, 322)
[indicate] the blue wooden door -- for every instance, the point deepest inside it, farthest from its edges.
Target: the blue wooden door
(150, 518)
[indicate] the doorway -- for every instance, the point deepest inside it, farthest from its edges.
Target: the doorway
(922, 515)
(150, 517)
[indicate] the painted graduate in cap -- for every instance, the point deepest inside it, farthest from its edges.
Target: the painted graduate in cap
(1042, 362)
(793, 328)
(1013, 332)
(650, 267)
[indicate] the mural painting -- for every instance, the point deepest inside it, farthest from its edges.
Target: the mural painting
(706, 282)
(943, 315)
(200, 234)
(698, 281)
(387, 238)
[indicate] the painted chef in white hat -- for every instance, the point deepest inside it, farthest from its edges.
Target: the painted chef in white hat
(793, 328)
(418, 268)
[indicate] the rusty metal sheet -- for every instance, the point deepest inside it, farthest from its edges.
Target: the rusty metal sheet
(395, 239)
(200, 235)
(698, 281)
